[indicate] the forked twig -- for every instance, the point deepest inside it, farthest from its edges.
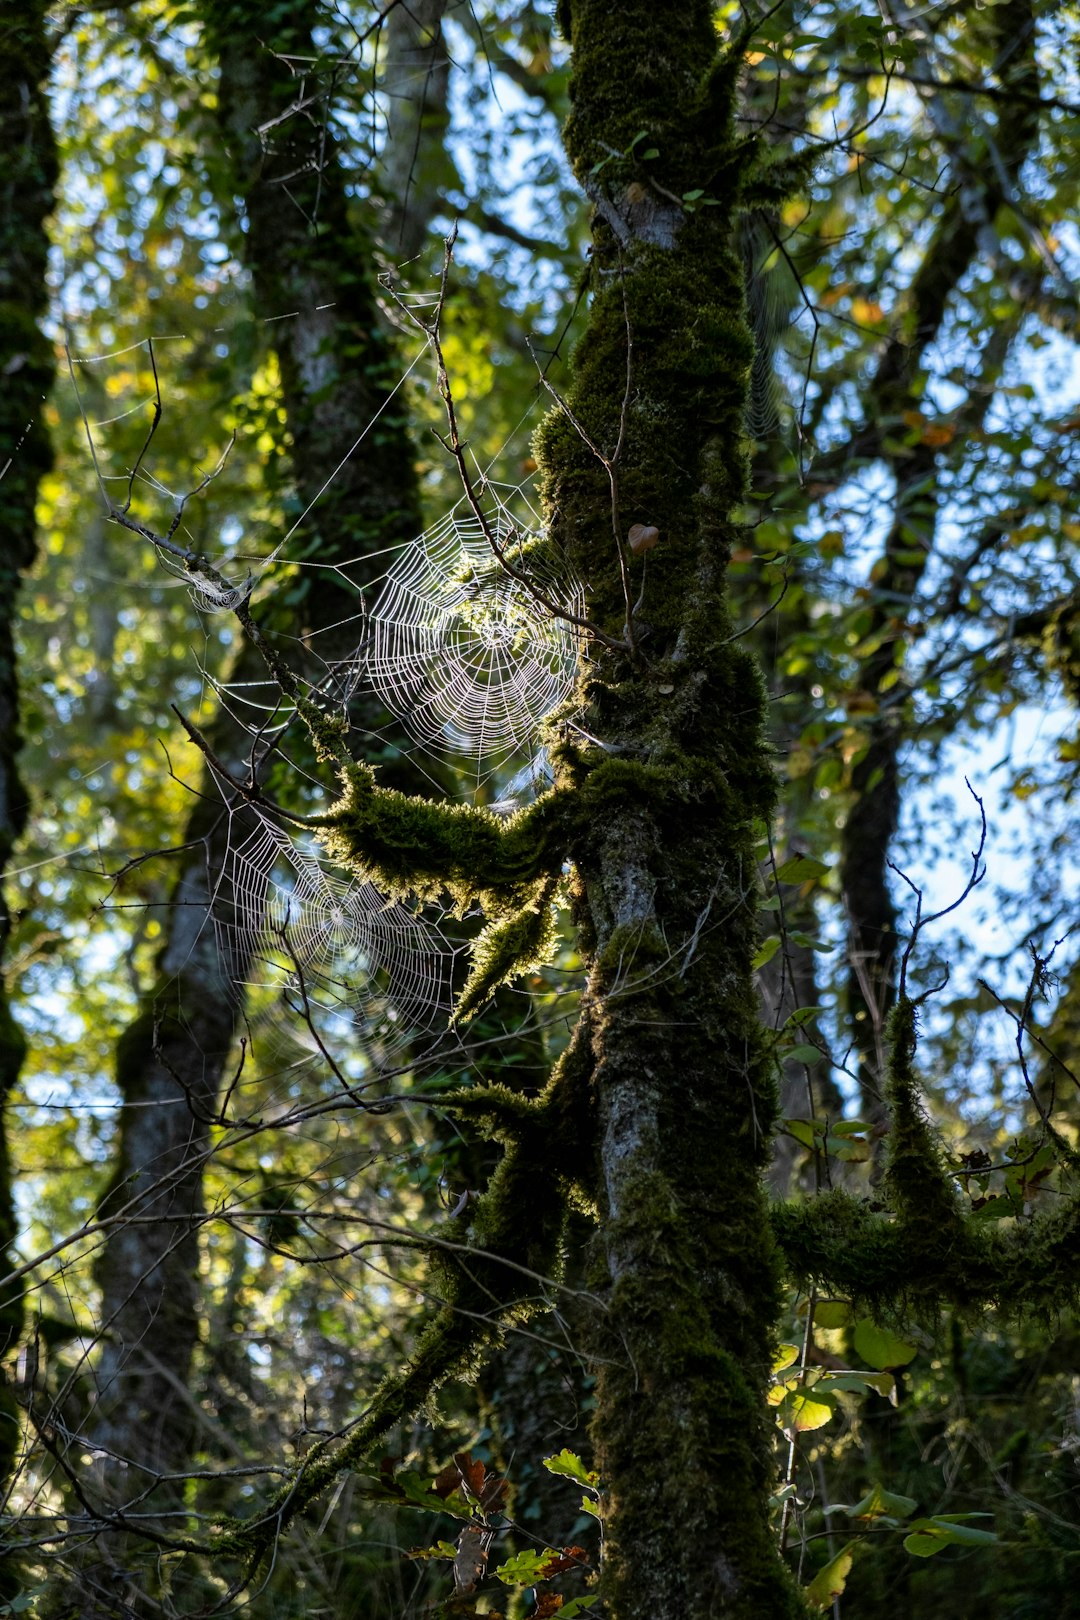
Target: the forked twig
(978, 872)
(454, 445)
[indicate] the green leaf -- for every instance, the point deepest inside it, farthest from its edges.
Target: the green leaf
(849, 1127)
(799, 869)
(414, 1490)
(25, 1600)
(578, 1605)
(441, 1549)
(832, 1313)
(570, 1466)
(808, 942)
(857, 1383)
(801, 1016)
(765, 951)
(929, 1536)
(525, 1568)
(803, 1054)
(881, 1348)
(801, 1412)
(785, 1355)
(803, 1130)
(828, 1584)
(997, 1207)
(879, 1503)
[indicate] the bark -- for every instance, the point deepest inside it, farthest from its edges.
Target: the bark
(310, 261)
(665, 870)
(26, 365)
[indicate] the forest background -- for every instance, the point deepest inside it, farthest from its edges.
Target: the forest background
(198, 208)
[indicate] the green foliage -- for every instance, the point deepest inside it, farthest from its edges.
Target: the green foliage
(927, 311)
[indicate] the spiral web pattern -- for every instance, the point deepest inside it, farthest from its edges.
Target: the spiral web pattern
(460, 650)
(333, 946)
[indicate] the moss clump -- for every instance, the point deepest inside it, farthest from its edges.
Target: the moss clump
(413, 846)
(919, 1185)
(508, 948)
(923, 1254)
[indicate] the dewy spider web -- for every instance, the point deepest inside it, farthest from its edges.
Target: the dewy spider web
(458, 649)
(286, 923)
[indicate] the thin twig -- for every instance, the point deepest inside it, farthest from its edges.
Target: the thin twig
(456, 448)
(978, 872)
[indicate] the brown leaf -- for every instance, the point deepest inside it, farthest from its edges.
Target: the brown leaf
(446, 1481)
(473, 1545)
(546, 1603)
(569, 1558)
(493, 1493)
(470, 1472)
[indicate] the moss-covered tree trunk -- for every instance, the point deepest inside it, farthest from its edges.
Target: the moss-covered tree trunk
(26, 366)
(664, 864)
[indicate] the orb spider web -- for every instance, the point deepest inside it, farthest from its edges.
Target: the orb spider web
(333, 948)
(459, 649)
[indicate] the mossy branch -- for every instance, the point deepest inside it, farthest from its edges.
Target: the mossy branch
(920, 1188)
(491, 1269)
(411, 845)
(888, 1265)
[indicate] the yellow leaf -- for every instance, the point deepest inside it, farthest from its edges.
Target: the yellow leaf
(828, 1584)
(866, 312)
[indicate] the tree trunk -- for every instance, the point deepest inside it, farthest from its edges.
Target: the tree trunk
(678, 784)
(26, 199)
(896, 388)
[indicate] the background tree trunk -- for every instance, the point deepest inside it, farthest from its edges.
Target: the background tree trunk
(309, 261)
(414, 160)
(26, 367)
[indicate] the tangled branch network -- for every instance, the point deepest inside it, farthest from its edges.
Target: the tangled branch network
(333, 947)
(463, 652)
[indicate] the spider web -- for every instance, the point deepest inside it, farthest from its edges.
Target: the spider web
(291, 928)
(460, 650)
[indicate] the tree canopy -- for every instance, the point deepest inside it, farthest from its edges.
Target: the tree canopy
(539, 654)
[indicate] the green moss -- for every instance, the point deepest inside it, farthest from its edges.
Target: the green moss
(415, 846)
(919, 1185)
(508, 948)
(893, 1267)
